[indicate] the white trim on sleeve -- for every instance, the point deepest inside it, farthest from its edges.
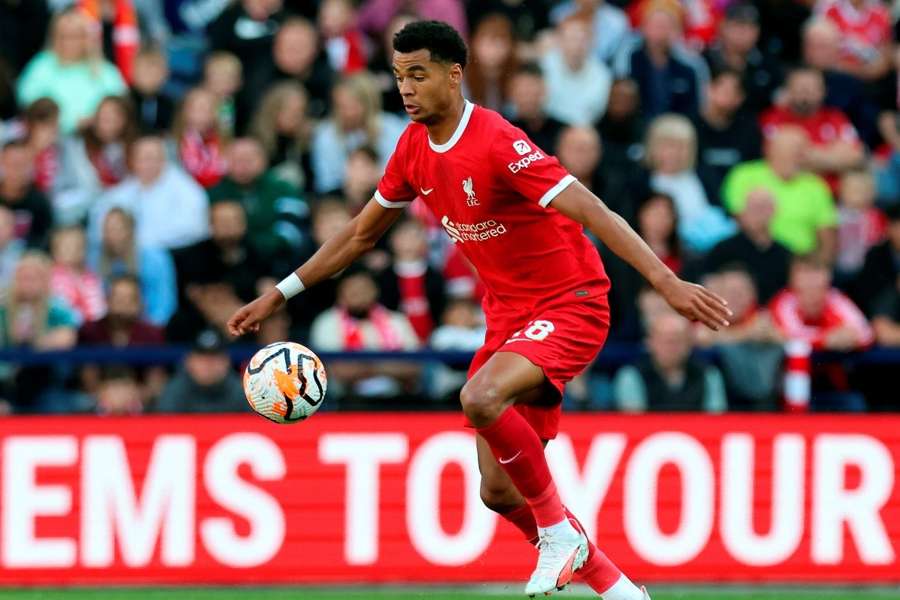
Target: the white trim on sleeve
(556, 189)
(388, 203)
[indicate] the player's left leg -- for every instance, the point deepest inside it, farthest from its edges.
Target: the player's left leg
(487, 400)
(500, 495)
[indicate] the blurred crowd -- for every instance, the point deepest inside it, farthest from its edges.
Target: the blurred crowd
(165, 161)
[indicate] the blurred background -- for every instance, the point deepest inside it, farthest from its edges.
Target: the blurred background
(162, 162)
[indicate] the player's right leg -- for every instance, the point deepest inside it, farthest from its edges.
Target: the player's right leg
(487, 400)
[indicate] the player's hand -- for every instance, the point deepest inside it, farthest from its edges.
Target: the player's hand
(696, 303)
(248, 317)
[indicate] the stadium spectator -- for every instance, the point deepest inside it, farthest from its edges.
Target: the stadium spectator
(361, 177)
(374, 15)
(115, 27)
(71, 278)
(669, 78)
(41, 122)
(866, 36)
(123, 327)
(805, 216)
(669, 378)
(23, 27)
(765, 259)
(888, 170)
(726, 135)
(578, 83)
(283, 126)
(461, 329)
(860, 224)
(736, 48)
(821, 50)
(154, 109)
(118, 254)
(11, 248)
(154, 193)
(94, 160)
(32, 317)
(329, 215)
(344, 43)
(356, 120)
(886, 316)
(527, 94)
(218, 274)
(119, 393)
(277, 216)
(206, 383)
(882, 264)
(750, 351)
(359, 322)
(579, 151)
(409, 284)
(199, 139)
(835, 145)
(609, 24)
(70, 71)
(297, 55)
(247, 30)
(671, 158)
(33, 216)
(492, 63)
(222, 77)
(811, 311)
(657, 224)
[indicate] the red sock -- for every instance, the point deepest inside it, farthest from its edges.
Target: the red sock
(523, 519)
(519, 451)
(598, 571)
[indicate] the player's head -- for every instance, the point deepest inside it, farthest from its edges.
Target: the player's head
(429, 58)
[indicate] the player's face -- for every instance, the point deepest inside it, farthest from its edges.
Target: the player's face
(426, 86)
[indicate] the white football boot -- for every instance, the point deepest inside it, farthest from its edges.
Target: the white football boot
(563, 550)
(644, 591)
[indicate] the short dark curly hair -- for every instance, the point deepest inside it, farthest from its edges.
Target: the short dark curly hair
(440, 39)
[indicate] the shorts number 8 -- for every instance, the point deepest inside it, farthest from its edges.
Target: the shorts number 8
(539, 330)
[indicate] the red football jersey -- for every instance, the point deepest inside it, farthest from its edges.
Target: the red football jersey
(491, 189)
(863, 31)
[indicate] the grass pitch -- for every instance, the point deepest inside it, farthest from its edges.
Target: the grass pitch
(433, 593)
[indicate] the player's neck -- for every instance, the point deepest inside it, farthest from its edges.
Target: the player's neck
(442, 129)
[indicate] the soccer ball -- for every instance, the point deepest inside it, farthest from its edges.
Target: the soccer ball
(285, 382)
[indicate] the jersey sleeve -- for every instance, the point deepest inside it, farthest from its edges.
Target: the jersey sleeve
(522, 166)
(394, 190)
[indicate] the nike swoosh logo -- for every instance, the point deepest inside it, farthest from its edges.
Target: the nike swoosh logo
(506, 461)
(426, 192)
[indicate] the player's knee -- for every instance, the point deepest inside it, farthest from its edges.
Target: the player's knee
(481, 401)
(499, 498)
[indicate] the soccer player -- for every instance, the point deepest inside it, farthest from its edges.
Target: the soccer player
(518, 216)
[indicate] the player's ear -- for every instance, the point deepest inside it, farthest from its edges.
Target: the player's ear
(456, 74)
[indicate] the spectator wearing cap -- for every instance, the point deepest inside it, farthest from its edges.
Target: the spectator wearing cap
(835, 144)
(206, 382)
(726, 134)
(736, 49)
(609, 25)
(805, 217)
(669, 77)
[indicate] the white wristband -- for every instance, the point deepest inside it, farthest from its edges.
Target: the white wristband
(290, 286)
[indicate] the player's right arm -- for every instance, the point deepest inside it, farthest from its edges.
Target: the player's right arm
(355, 239)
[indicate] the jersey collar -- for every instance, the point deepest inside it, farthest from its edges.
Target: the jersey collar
(460, 129)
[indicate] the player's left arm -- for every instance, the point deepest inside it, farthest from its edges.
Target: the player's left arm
(691, 300)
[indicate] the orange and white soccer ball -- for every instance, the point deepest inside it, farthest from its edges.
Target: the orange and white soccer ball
(285, 382)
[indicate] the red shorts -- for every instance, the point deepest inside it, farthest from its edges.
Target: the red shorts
(562, 339)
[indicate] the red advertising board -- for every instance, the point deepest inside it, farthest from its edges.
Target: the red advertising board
(394, 498)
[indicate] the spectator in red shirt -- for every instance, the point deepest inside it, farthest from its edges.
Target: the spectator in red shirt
(835, 144)
(199, 139)
(866, 36)
(813, 312)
